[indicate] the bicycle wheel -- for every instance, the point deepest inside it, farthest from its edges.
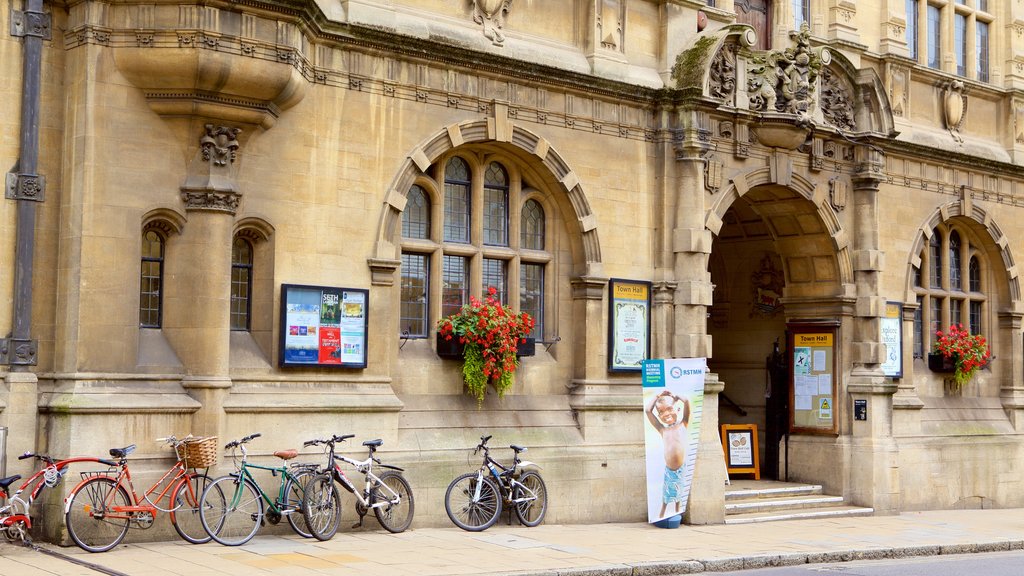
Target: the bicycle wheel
(394, 517)
(322, 506)
(231, 510)
(531, 512)
(295, 491)
(185, 516)
(466, 509)
(90, 520)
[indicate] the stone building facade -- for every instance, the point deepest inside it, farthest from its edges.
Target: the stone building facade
(760, 164)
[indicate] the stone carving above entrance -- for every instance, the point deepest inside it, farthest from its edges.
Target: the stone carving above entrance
(766, 284)
(786, 81)
(836, 104)
(491, 15)
(723, 73)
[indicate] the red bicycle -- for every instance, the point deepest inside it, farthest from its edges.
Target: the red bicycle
(15, 520)
(101, 508)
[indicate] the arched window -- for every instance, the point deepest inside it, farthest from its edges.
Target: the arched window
(151, 280)
(241, 284)
(415, 266)
(941, 296)
(492, 233)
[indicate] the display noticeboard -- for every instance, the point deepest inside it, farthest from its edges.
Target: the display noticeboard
(629, 324)
(739, 443)
(892, 337)
(812, 390)
(323, 326)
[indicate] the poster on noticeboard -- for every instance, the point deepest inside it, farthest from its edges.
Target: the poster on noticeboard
(629, 324)
(323, 326)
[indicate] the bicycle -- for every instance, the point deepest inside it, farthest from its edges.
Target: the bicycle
(104, 505)
(474, 500)
(15, 519)
(388, 495)
(231, 507)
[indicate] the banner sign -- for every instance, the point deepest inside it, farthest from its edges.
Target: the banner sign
(673, 397)
(892, 338)
(629, 324)
(322, 326)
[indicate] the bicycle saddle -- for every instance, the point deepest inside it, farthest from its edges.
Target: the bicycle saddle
(517, 448)
(6, 482)
(374, 443)
(122, 452)
(286, 454)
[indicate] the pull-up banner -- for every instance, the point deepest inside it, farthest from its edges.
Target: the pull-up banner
(673, 396)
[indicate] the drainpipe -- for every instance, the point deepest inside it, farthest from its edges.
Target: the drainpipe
(25, 186)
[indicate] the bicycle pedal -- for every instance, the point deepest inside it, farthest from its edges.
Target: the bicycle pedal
(357, 525)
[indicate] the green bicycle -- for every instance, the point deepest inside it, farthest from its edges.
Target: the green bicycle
(231, 507)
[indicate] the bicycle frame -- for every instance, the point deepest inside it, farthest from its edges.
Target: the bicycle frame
(145, 508)
(244, 475)
(15, 512)
(365, 467)
(504, 476)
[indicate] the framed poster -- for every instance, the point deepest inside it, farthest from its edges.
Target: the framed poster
(323, 326)
(812, 378)
(892, 338)
(629, 324)
(739, 444)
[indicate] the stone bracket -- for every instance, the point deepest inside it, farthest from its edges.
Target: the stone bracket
(18, 352)
(29, 23)
(25, 187)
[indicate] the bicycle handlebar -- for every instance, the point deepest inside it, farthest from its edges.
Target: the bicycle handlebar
(235, 443)
(334, 439)
(26, 455)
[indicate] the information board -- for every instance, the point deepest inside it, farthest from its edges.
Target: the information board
(323, 326)
(892, 338)
(629, 324)
(812, 390)
(739, 443)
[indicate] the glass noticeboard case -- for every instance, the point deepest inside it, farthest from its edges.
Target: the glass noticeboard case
(323, 326)
(629, 324)
(812, 377)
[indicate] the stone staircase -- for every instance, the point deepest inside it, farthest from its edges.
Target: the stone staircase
(748, 501)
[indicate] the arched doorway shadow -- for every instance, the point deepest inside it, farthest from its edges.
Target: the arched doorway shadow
(779, 254)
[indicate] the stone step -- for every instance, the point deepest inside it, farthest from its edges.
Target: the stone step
(799, 502)
(772, 490)
(830, 512)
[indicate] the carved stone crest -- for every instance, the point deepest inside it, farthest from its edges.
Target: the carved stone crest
(766, 284)
(785, 81)
(836, 104)
(491, 15)
(954, 107)
(219, 145)
(713, 170)
(722, 80)
(838, 193)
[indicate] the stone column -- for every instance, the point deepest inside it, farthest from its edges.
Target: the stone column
(691, 244)
(874, 475)
(19, 417)
(198, 305)
(1011, 392)
(906, 403)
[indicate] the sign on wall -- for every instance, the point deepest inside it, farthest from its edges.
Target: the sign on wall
(892, 338)
(323, 326)
(813, 378)
(673, 397)
(629, 324)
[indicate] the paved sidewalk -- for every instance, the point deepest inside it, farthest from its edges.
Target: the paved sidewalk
(613, 549)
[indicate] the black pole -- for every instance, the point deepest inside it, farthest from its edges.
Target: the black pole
(28, 188)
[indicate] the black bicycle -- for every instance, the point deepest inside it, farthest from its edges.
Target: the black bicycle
(474, 500)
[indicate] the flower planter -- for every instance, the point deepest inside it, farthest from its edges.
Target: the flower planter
(449, 348)
(528, 348)
(940, 363)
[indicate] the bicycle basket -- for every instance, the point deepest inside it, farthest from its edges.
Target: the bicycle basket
(200, 452)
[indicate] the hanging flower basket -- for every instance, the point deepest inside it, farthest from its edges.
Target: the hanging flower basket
(941, 364)
(489, 334)
(968, 352)
(450, 349)
(526, 347)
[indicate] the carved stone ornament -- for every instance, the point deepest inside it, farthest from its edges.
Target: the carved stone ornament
(219, 145)
(954, 107)
(838, 193)
(1018, 122)
(785, 81)
(898, 95)
(491, 15)
(836, 104)
(722, 78)
(207, 200)
(766, 285)
(713, 170)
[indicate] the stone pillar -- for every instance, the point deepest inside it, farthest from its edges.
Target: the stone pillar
(691, 245)
(198, 305)
(906, 403)
(1010, 367)
(661, 318)
(874, 474)
(707, 492)
(19, 417)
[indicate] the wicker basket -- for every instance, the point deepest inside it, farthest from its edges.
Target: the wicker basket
(200, 452)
